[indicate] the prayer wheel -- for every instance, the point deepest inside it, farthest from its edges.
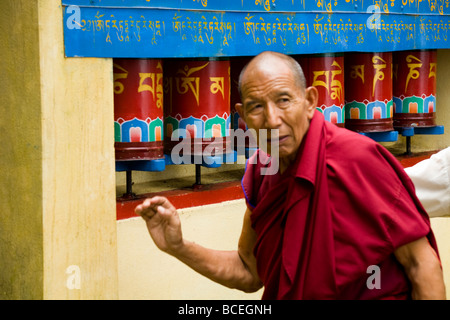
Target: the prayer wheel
(368, 92)
(197, 105)
(415, 88)
(303, 60)
(236, 66)
(326, 73)
(138, 109)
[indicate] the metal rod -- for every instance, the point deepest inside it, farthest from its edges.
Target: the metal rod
(408, 145)
(129, 183)
(198, 174)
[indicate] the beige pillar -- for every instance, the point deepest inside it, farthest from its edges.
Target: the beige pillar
(57, 193)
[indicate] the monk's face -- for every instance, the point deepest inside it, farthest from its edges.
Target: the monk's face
(272, 99)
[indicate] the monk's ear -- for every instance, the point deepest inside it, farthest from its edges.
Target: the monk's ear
(311, 97)
(240, 110)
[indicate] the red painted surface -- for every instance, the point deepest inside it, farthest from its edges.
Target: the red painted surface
(415, 76)
(415, 73)
(138, 96)
(197, 88)
(368, 76)
(195, 93)
(326, 73)
(138, 89)
(185, 198)
(368, 80)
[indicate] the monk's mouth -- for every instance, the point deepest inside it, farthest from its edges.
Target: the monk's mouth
(279, 140)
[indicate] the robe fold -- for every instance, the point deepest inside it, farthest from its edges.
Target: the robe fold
(345, 204)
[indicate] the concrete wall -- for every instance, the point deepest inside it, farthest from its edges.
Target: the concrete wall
(20, 155)
(57, 196)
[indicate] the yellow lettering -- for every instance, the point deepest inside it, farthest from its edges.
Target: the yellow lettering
(432, 70)
(321, 83)
(413, 73)
(188, 82)
(145, 87)
(357, 71)
(336, 86)
(159, 90)
(150, 85)
(378, 65)
(217, 85)
(118, 86)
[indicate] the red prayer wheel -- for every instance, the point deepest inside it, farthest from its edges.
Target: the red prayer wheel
(138, 109)
(236, 66)
(326, 73)
(368, 92)
(415, 88)
(303, 60)
(197, 103)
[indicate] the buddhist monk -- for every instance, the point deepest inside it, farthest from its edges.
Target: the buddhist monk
(338, 220)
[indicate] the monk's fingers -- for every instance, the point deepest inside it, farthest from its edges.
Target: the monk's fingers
(163, 202)
(146, 209)
(156, 205)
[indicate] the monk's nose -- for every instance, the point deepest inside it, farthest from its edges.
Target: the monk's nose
(272, 116)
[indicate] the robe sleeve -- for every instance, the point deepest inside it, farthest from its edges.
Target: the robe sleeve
(405, 223)
(247, 182)
(408, 221)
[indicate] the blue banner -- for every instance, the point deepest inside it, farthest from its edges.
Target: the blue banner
(330, 6)
(201, 28)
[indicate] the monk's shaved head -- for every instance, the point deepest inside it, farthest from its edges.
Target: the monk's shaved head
(272, 59)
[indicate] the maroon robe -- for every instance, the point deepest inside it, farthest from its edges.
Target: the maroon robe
(344, 205)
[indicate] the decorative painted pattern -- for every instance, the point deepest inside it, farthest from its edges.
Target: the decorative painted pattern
(369, 110)
(204, 127)
(415, 104)
(138, 100)
(137, 130)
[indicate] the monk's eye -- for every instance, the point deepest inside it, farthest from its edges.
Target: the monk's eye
(255, 109)
(283, 102)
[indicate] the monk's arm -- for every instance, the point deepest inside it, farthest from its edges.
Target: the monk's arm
(423, 269)
(234, 269)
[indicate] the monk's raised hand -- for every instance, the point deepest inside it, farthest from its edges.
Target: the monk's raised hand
(163, 223)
